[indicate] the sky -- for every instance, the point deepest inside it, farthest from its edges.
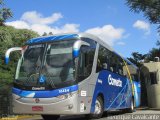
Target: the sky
(110, 20)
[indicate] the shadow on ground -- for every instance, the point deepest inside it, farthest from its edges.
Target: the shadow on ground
(81, 117)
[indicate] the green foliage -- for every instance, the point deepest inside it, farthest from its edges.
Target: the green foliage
(49, 34)
(45, 34)
(11, 37)
(155, 52)
(150, 8)
(137, 58)
(5, 13)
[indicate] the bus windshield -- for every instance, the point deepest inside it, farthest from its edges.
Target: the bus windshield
(54, 61)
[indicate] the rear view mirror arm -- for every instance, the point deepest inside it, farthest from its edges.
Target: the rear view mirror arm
(7, 54)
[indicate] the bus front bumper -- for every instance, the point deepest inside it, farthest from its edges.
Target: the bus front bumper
(54, 106)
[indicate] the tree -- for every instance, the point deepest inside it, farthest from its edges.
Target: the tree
(137, 58)
(44, 34)
(155, 52)
(5, 14)
(150, 8)
(50, 33)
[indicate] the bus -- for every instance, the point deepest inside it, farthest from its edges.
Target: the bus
(71, 74)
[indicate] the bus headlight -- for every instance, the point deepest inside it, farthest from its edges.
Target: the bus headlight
(66, 96)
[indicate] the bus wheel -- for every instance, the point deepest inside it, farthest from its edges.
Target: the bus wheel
(50, 117)
(99, 109)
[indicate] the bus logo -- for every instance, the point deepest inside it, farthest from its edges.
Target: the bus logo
(37, 100)
(114, 82)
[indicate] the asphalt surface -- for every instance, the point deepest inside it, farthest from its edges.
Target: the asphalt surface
(143, 114)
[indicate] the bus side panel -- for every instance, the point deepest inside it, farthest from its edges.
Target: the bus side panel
(85, 95)
(117, 94)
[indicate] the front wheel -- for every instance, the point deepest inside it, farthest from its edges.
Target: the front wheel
(99, 109)
(50, 117)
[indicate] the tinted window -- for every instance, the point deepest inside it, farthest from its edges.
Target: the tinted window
(103, 61)
(85, 62)
(91, 42)
(31, 61)
(108, 60)
(59, 62)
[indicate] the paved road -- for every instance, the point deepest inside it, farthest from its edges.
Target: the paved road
(118, 115)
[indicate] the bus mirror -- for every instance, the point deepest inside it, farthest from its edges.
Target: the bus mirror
(77, 45)
(7, 54)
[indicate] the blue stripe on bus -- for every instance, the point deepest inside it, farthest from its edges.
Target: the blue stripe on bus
(123, 101)
(44, 94)
(52, 38)
(118, 95)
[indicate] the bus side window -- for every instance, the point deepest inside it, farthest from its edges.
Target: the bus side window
(117, 65)
(108, 60)
(103, 59)
(114, 63)
(120, 67)
(85, 62)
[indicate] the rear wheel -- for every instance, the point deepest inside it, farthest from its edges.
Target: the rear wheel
(99, 109)
(50, 117)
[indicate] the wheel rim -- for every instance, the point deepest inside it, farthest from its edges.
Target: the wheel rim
(98, 107)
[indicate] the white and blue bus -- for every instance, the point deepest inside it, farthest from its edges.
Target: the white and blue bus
(72, 74)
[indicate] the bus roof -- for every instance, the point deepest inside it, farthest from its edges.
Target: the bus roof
(67, 36)
(58, 37)
(51, 38)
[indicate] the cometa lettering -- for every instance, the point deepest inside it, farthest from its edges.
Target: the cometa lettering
(114, 82)
(38, 88)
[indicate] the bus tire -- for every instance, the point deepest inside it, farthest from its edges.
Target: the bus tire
(50, 117)
(99, 109)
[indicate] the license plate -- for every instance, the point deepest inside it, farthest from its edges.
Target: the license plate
(37, 108)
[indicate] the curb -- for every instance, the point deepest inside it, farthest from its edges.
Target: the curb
(22, 117)
(16, 117)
